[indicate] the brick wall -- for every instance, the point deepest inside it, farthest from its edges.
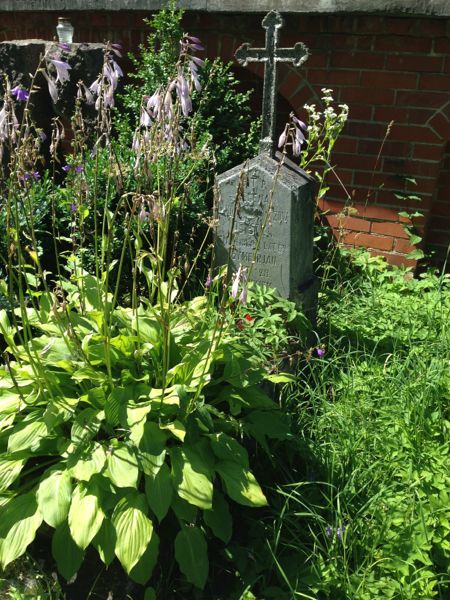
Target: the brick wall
(385, 68)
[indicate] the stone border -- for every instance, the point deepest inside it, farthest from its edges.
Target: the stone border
(437, 8)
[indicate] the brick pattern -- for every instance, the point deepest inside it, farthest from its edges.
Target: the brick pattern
(385, 68)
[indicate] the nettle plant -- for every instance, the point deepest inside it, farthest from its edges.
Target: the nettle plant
(123, 426)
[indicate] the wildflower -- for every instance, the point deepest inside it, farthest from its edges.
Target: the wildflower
(66, 168)
(243, 296)
(62, 69)
(248, 318)
(329, 531)
(20, 94)
(320, 352)
(36, 175)
(340, 531)
(208, 282)
(64, 46)
(73, 207)
(52, 89)
(79, 169)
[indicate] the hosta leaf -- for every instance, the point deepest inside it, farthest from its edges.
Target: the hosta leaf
(19, 520)
(150, 594)
(10, 469)
(227, 448)
(66, 553)
(142, 570)
(53, 496)
(177, 429)
(191, 554)
(219, 518)
(159, 491)
(133, 529)
(86, 425)
(85, 514)
(192, 474)
(240, 484)
(105, 542)
(183, 510)
(122, 466)
(85, 463)
(27, 436)
(151, 450)
(9, 401)
(116, 402)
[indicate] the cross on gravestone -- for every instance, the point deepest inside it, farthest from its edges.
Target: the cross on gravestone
(270, 56)
(265, 210)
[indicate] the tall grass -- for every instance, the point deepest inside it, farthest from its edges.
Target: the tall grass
(369, 517)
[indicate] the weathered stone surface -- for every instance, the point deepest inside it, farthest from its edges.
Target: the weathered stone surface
(279, 256)
(410, 7)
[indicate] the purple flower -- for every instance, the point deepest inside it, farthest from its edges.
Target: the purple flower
(66, 168)
(320, 352)
(43, 136)
(64, 46)
(20, 94)
(73, 208)
(62, 69)
(52, 89)
(329, 531)
(208, 282)
(79, 169)
(36, 175)
(235, 284)
(340, 531)
(25, 177)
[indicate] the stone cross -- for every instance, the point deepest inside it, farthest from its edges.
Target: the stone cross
(270, 56)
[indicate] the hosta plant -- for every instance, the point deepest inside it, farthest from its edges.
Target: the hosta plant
(119, 426)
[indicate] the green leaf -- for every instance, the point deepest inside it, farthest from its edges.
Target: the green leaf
(122, 466)
(86, 462)
(86, 425)
(183, 510)
(281, 378)
(66, 553)
(272, 424)
(27, 436)
(191, 554)
(10, 470)
(85, 514)
(240, 484)
(142, 570)
(151, 449)
(105, 542)
(416, 254)
(133, 529)
(414, 239)
(227, 448)
(159, 491)
(177, 429)
(219, 518)
(53, 495)
(192, 475)
(19, 521)
(150, 594)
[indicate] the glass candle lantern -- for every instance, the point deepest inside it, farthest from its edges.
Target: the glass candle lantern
(64, 30)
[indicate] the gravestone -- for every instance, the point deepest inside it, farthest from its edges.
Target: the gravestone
(265, 210)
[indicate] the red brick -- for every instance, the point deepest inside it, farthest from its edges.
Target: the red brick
(389, 148)
(318, 60)
(369, 241)
(377, 95)
(361, 112)
(427, 151)
(441, 126)
(346, 144)
(417, 63)
(366, 130)
(402, 43)
(434, 82)
(414, 133)
(348, 223)
(357, 60)
(290, 84)
(333, 77)
(429, 99)
(403, 246)
(379, 213)
(399, 25)
(370, 24)
(365, 42)
(393, 229)
(442, 45)
(431, 27)
(396, 259)
(389, 80)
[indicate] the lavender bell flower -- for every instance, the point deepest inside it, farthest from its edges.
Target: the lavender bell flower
(20, 94)
(52, 89)
(62, 69)
(235, 285)
(208, 282)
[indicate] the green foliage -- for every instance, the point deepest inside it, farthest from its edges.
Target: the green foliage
(102, 446)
